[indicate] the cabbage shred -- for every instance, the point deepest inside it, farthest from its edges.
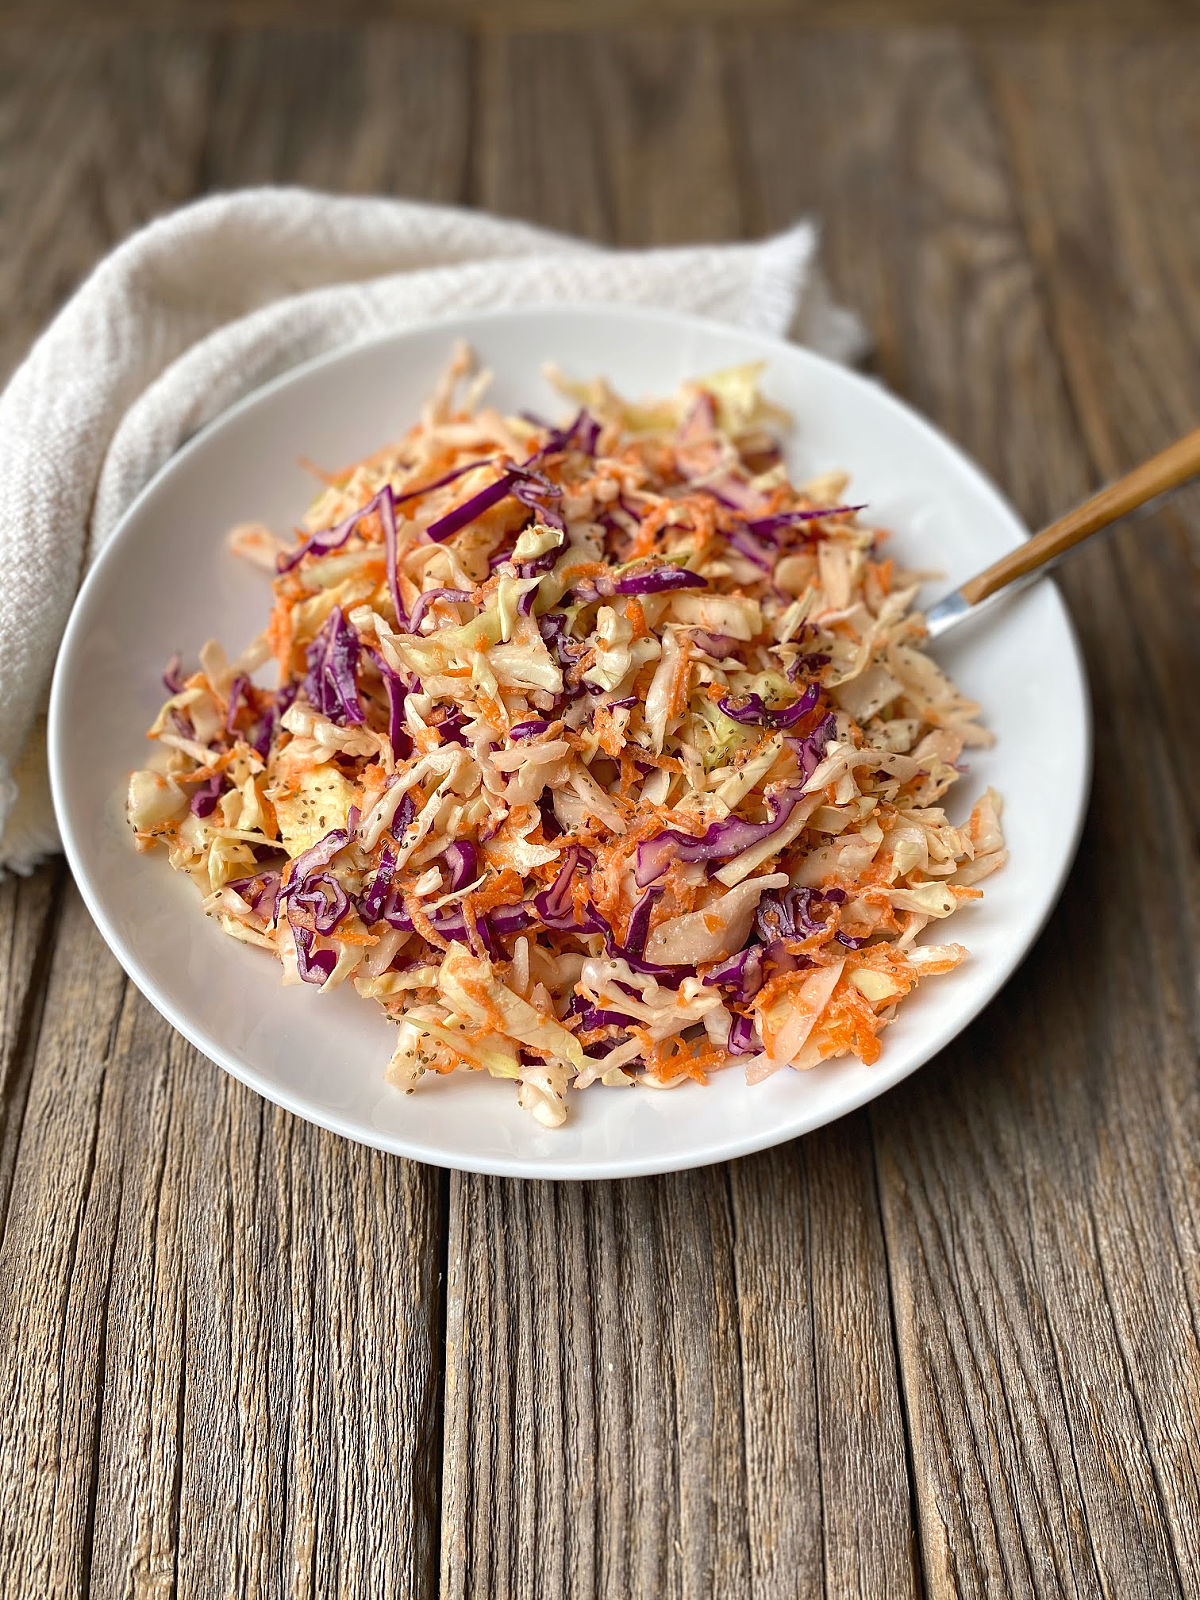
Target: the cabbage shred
(598, 754)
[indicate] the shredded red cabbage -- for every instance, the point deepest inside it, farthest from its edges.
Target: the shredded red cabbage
(750, 548)
(313, 966)
(811, 751)
(657, 580)
(463, 860)
(754, 713)
(396, 690)
(315, 859)
(323, 896)
(741, 1037)
(206, 795)
(370, 905)
(467, 510)
(582, 434)
(332, 660)
(639, 922)
(426, 600)
(720, 841)
(742, 973)
(173, 675)
(237, 689)
(766, 527)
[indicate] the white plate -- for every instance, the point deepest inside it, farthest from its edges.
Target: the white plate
(165, 583)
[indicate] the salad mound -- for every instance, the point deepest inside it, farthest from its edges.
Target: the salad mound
(600, 753)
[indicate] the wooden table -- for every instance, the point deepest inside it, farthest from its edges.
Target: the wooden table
(950, 1345)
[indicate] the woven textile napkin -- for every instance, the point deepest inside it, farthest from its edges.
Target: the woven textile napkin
(213, 300)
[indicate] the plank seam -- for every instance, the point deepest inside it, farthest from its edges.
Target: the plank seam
(89, 1526)
(438, 1388)
(1166, 1521)
(741, 1361)
(81, 1219)
(28, 1034)
(921, 1577)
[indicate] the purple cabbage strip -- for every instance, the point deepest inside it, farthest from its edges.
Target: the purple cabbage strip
(582, 434)
(741, 1037)
(742, 973)
(537, 565)
(266, 728)
(206, 795)
(332, 660)
(717, 645)
(370, 905)
(552, 625)
(810, 752)
(594, 1017)
(426, 600)
(467, 510)
(788, 915)
(267, 894)
(406, 815)
(325, 898)
(173, 675)
(528, 730)
(452, 724)
(236, 690)
(750, 548)
(313, 968)
(387, 514)
(658, 580)
(556, 905)
(639, 922)
(396, 690)
(766, 527)
(734, 493)
(720, 841)
(809, 663)
(315, 859)
(538, 493)
(463, 860)
(755, 713)
(320, 544)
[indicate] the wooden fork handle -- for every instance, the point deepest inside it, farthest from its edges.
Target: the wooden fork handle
(1171, 467)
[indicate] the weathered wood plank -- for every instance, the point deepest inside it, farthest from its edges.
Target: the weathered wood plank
(595, 15)
(220, 1353)
(1037, 1178)
(379, 109)
(686, 1386)
(219, 1327)
(97, 135)
(1112, 224)
(826, 1479)
(27, 907)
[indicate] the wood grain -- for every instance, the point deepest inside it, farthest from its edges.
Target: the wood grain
(218, 1326)
(597, 15)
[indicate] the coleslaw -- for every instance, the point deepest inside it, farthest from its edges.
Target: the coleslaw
(598, 753)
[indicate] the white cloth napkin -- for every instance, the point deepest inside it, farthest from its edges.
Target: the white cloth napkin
(211, 301)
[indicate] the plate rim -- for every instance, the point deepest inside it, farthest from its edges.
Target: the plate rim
(598, 1169)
